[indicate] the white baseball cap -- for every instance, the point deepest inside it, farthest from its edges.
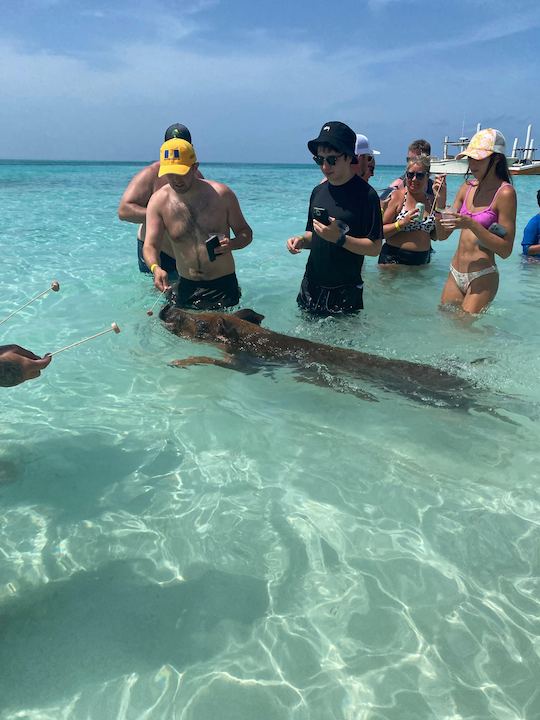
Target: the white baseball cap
(362, 146)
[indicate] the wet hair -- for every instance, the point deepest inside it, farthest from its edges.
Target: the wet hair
(423, 160)
(538, 197)
(422, 147)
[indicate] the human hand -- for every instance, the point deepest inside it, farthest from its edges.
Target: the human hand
(161, 279)
(439, 190)
(452, 220)
(18, 364)
(408, 218)
(439, 183)
(224, 246)
(330, 233)
(295, 244)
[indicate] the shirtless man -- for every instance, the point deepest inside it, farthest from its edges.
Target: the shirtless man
(190, 209)
(134, 201)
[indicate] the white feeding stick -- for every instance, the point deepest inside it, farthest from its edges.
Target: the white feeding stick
(435, 200)
(151, 311)
(55, 287)
(114, 328)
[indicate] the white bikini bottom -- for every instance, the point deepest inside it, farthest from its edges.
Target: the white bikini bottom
(463, 280)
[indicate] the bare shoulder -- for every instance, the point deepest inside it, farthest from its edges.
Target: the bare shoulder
(464, 187)
(507, 191)
(158, 198)
(397, 197)
(148, 173)
(143, 184)
(221, 189)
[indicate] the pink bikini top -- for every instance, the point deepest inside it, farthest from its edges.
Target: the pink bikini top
(485, 217)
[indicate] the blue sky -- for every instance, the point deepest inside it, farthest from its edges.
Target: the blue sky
(254, 80)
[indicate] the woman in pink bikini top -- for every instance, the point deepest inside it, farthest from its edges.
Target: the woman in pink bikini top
(485, 232)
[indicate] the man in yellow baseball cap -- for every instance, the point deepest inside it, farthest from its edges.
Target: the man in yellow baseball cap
(176, 157)
(198, 216)
(134, 201)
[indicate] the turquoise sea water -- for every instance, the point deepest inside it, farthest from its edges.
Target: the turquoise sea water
(198, 543)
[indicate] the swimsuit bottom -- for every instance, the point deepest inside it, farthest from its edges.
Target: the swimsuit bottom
(321, 300)
(463, 280)
(207, 294)
(166, 262)
(391, 255)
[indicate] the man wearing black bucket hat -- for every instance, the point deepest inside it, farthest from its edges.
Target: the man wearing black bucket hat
(133, 203)
(344, 224)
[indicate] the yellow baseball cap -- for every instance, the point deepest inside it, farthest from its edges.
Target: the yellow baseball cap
(176, 156)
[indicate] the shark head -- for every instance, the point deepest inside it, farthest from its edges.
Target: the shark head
(208, 326)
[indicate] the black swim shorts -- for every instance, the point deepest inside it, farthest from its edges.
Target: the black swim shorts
(320, 300)
(166, 262)
(215, 294)
(391, 255)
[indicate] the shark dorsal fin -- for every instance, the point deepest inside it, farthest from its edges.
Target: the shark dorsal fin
(249, 316)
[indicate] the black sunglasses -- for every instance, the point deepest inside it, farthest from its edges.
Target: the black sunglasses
(417, 175)
(329, 159)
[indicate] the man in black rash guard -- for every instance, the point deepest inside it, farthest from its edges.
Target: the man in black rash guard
(333, 279)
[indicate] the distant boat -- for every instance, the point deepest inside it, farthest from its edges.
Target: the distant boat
(520, 162)
(524, 160)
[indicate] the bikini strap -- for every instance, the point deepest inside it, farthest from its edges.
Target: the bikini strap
(464, 204)
(499, 188)
(404, 200)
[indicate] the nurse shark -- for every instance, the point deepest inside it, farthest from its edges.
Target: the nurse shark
(248, 347)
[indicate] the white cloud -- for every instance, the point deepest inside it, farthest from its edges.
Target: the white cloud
(235, 94)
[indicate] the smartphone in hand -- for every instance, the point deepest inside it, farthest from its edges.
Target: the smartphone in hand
(321, 214)
(211, 244)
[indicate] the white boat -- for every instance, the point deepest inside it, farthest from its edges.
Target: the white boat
(524, 162)
(520, 162)
(448, 164)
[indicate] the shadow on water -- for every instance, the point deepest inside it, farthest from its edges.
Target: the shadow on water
(97, 626)
(73, 473)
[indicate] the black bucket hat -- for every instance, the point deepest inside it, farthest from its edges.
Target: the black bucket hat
(336, 134)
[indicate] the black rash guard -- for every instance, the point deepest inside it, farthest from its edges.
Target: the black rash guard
(357, 204)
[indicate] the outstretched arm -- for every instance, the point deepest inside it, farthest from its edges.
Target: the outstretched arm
(155, 227)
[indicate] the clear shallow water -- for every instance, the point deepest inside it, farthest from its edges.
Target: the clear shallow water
(200, 543)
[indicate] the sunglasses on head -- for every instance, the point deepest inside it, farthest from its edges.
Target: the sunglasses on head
(417, 175)
(329, 159)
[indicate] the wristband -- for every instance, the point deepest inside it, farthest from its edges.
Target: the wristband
(439, 210)
(397, 225)
(153, 266)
